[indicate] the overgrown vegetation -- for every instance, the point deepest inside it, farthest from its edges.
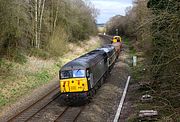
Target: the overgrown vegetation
(155, 26)
(43, 24)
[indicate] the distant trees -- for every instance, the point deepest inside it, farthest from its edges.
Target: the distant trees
(156, 25)
(130, 25)
(15, 25)
(27, 24)
(116, 22)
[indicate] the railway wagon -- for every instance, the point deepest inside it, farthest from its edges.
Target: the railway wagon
(118, 46)
(79, 78)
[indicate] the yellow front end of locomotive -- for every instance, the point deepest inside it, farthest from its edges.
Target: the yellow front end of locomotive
(116, 39)
(73, 85)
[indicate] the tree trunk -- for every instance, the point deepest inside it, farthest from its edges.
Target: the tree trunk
(40, 22)
(55, 20)
(36, 24)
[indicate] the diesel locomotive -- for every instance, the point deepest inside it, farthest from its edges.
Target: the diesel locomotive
(81, 77)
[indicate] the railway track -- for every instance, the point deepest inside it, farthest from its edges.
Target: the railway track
(70, 114)
(106, 38)
(48, 104)
(36, 107)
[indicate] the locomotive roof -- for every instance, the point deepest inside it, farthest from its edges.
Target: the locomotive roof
(85, 61)
(108, 48)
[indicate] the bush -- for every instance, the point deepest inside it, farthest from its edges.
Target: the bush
(16, 55)
(58, 44)
(39, 53)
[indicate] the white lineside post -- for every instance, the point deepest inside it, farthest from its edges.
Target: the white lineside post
(117, 116)
(134, 60)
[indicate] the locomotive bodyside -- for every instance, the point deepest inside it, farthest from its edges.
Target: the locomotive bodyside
(111, 54)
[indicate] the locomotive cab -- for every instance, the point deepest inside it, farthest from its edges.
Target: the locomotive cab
(73, 81)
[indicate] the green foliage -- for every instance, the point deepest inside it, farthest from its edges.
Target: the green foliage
(56, 23)
(58, 45)
(168, 5)
(4, 67)
(18, 56)
(165, 40)
(42, 76)
(116, 22)
(126, 41)
(80, 23)
(138, 72)
(14, 24)
(3, 101)
(39, 53)
(132, 50)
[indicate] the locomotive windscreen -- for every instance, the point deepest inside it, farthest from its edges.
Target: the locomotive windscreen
(73, 74)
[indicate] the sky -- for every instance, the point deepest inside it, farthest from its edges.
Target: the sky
(110, 8)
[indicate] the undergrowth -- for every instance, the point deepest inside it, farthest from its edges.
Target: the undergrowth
(166, 99)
